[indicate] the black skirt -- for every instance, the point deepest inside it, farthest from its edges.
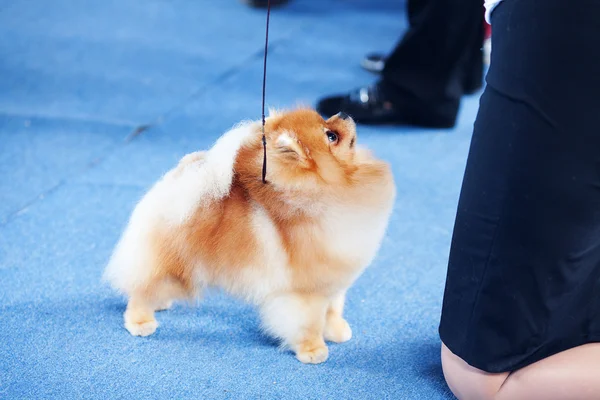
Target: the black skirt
(524, 270)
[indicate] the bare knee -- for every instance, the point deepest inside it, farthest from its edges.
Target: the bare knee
(467, 382)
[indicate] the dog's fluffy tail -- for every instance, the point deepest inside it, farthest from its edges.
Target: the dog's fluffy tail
(201, 177)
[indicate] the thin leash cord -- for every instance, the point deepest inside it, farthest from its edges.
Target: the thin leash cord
(264, 138)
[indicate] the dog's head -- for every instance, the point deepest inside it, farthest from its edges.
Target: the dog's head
(306, 150)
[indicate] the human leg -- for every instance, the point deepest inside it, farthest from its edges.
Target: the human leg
(425, 76)
(571, 374)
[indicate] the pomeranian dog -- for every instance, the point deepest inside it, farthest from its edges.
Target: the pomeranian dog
(291, 246)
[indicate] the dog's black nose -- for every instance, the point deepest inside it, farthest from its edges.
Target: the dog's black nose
(343, 115)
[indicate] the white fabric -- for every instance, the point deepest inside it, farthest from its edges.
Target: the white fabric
(489, 7)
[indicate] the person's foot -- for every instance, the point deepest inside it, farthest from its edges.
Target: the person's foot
(264, 3)
(373, 106)
(375, 62)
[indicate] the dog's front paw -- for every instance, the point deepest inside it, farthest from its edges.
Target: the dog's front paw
(315, 355)
(145, 328)
(337, 330)
(140, 325)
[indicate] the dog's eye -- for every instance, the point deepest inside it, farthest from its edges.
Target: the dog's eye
(332, 136)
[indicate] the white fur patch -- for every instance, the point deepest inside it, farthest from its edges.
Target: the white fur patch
(271, 274)
(355, 233)
(286, 139)
(131, 262)
(274, 257)
(273, 112)
(283, 317)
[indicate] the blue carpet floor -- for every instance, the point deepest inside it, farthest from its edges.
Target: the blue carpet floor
(76, 79)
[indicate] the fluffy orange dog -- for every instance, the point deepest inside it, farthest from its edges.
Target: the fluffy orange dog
(292, 246)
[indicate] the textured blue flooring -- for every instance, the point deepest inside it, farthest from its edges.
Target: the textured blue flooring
(76, 79)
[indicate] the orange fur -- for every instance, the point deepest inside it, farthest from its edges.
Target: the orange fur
(313, 184)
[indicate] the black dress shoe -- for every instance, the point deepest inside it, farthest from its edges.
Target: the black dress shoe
(373, 106)
(264, 3)
(473, 81)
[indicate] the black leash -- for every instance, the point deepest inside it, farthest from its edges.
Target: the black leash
(264, 138)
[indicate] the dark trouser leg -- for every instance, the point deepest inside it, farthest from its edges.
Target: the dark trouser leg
(439, 53)
(424, 77)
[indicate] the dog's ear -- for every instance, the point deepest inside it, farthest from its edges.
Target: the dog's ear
(288, 146)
